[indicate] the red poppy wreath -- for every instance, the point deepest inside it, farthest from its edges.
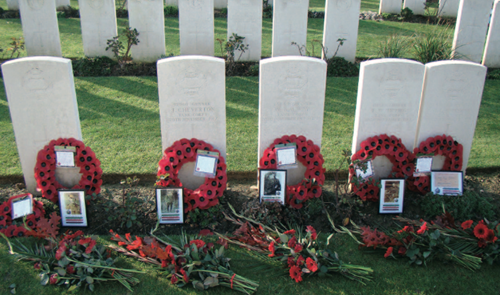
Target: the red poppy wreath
(439, 145)
(85, 159)
(309, 155)
(381, 145)
(184, 151)
(12, 230)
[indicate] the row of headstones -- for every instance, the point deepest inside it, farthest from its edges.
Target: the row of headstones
(196, 27)
(14, 4)
(43, 105)
(447, 8)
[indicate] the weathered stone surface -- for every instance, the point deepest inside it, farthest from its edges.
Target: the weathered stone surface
(196, 27)
(245, 19)
(98, 22)
(390, 6)
(448, 8)
(491, 57)
(13, 4)
(147, 17)
(416, 6)
(289, 25)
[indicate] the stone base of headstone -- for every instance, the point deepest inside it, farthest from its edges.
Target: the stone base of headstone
(187, 178)
(68, 176)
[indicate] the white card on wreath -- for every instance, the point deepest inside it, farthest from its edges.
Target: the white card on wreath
(65, 156)
(423, 166)
(206, 164)
(365, 173)
(22, 207)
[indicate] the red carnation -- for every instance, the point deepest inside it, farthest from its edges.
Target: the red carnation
(422, 229)
(467, 224)
(290, 232)
(199, 243)
(272, 249)
(184, 276)
(311, 230)
(300, 260)
(61, 251)
(481, 231)
(174, 279)
(296, 273)
(311, 264)
(297, 248)
(53, 279)
(402, 250)
(70, 269)
(135, 244)
(491, 236)
(290, 261)
(388, 252)
(37, 265)
(292, 242)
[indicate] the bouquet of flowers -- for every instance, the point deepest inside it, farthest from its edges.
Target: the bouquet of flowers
(74, 261)
(188, 261)
(300, 253)
(467, 244)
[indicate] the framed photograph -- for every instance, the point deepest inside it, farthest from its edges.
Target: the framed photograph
(73, 208)
(272, 185)
(286, 155)
(447, 183)
(423, 166)
(364, 169)
(170, 205)
(22, 205)
(392, 196)
(206, 164)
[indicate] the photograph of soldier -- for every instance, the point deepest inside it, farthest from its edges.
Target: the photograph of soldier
(72, 204)
(391, 192)
(169, 200)
(272, 185)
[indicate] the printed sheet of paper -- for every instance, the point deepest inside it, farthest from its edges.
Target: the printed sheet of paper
(423, 167)
(205, 164)
(65, 159)
(446, 183)
(22, 208)
(286, 156)
(367, 173)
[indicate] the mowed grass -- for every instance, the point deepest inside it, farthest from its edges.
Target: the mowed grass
(390, 276)
(120, 121)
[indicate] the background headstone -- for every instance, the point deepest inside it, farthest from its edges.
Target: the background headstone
(416, 6)
(244, 18)
(448, 8)
(291, 101)
(341, 21)
(192, 105)
(13, 4)
(390, 6)
(388, 102)
(450, 102)
(62, 3)
(147, 17)
(196, 27)
(471, 29)
(491, 57)
(171, 2)
(289, 25)
(98, 22)
(42, 102)
(219, 4)
(40, 29)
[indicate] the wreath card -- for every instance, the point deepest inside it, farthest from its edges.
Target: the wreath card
(272, 185)
(448, 183)
(22, 205)
(65, 156)
(392, 196)
(286, 155)
(73, 208)
(169, 205)
(364, 169)
(423, 166)
(206, 164)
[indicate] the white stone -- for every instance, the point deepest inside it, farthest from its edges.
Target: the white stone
(289, 25)
(40, 29)
(291, 101)
(341, 22)
(450, 102)
(471, 28)
(13, 4)
(387, 103)
(491, 57)
(98, 22)
(219, 4)
(147, 17)
(192, 103)
(448, 8)
(62, 3)
(390, 6)
(416, 6)
(244, 18)
(171, 2)
(43, 106)
(196, 27)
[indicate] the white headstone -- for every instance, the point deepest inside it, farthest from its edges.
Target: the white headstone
(448, 8)
(341, 22)
(40, 29)
(291, 101)
(43, 106)
(196, 27)
(98, 22)
(13, 4)
(171, 2)
(491, 57)
(416, 6)
(192, 103)
(62, 3)
(390, 6)
(244, 18)
(219, 4)
(289, 25)
(388, 101)
(450, 102)
(471, 29)
(147, 17)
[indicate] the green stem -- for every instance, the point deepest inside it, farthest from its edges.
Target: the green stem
(106, 267)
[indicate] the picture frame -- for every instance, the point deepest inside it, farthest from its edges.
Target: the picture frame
(272, 185)
(392, 196)
(21, 206)
(170, 205)
(447, 183)
(73, 208)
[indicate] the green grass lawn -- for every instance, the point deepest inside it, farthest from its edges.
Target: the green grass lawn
(390, 277)
(120, 121)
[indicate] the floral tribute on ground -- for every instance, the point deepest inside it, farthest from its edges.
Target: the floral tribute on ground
(309, 155)
(301, 254)
(381, 145)
(85, 159)
(468, 243)
(184, 151)
(441, 145)
(192, 260)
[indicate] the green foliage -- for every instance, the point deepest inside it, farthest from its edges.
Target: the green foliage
(93, 66)
(253, 70)
(233, 46)
(17, 45)
(117, 47)
(432, 46)
(223, 12)
(267, 10)
(205, 218)
(394, 46)
(469, 206)
(171, 11)
(406, 14)
(494, 74)
(67, 12)
(339, 67)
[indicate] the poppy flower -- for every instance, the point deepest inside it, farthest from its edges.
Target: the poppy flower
(301, 193)
(311, 264)
(481, 231)
(20, 231)
(467, 224)
(87, 169)
(388, 252)
(296, 273)
(43, 174)
(271, 249)
(203, 202)
(172, 158)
